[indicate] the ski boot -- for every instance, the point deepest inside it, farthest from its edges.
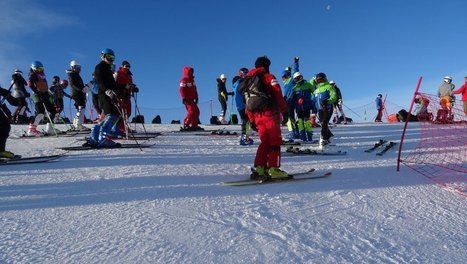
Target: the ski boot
(276, 173)
(107, 143)
(7, 155)
(303, 135)
(33, 132)
(245, 141)
(296, 133)
(50, 130)
(258, 174)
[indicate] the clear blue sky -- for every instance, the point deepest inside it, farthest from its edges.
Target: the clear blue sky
(366, 46)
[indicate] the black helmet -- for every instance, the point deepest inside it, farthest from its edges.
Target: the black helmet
(55, 79)
(321, 75)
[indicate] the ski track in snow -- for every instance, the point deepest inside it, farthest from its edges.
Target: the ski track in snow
(167, 204)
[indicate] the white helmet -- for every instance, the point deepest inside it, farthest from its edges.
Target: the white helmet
(332, 82)
(447, 79)
(223, 77)
(74, 63)
(18, 71)
(295, 75)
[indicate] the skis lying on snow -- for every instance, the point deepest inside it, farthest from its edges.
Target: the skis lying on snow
(291, 142)
(308, 151)
(221, 132)
(43, 135)
(387, 148)
(123, 138)
(117, 146)
(300, 176)
(36, 159)
(378, 144)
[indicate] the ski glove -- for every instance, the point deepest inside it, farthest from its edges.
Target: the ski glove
(87, 88)
(111, 94)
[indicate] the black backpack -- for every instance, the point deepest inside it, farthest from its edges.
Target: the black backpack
(254, 92)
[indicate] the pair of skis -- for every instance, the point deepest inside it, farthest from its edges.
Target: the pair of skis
(117, 146)
(291, 142)
(381, 143)
(300, 176)
(309, 151)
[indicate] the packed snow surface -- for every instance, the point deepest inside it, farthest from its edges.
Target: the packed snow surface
(168, 204)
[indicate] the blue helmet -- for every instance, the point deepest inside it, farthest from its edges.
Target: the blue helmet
(36, 64)
(107, 51)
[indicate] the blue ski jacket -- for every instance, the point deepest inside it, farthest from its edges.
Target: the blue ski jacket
(289, 83)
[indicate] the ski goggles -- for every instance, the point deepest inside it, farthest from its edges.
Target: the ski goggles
(77, 68)
(39, 70)
(109, 57)
(298, 78)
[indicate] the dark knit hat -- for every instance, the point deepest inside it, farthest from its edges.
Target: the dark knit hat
(262, 62)
(125, 63)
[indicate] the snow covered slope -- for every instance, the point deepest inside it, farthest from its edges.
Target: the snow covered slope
(167, 204)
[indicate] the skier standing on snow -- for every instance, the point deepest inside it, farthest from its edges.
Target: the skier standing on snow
(101, 133)
(325, 95)
(126, 88)
(445, 93)
(289, 83)
(19, 92)
(302, 96)
(240, 102)
(379, 108)
(223, 97)
(340, 115)
(189, 95)
(57, 89)
(5, 119)
(78, 94)
(268, 123)
(42, 100)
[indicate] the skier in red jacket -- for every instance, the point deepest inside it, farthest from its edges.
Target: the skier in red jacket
(189, 95)
(463, 91)
(268, 122)
(125, 89)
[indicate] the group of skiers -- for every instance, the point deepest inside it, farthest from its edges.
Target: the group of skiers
(111, 96)
(264, 106)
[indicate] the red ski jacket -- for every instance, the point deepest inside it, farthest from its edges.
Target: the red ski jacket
(187, 87)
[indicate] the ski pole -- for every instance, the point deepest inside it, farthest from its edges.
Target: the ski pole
(351, 110)
(131, 132)
(139, 113)
(50, 120)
